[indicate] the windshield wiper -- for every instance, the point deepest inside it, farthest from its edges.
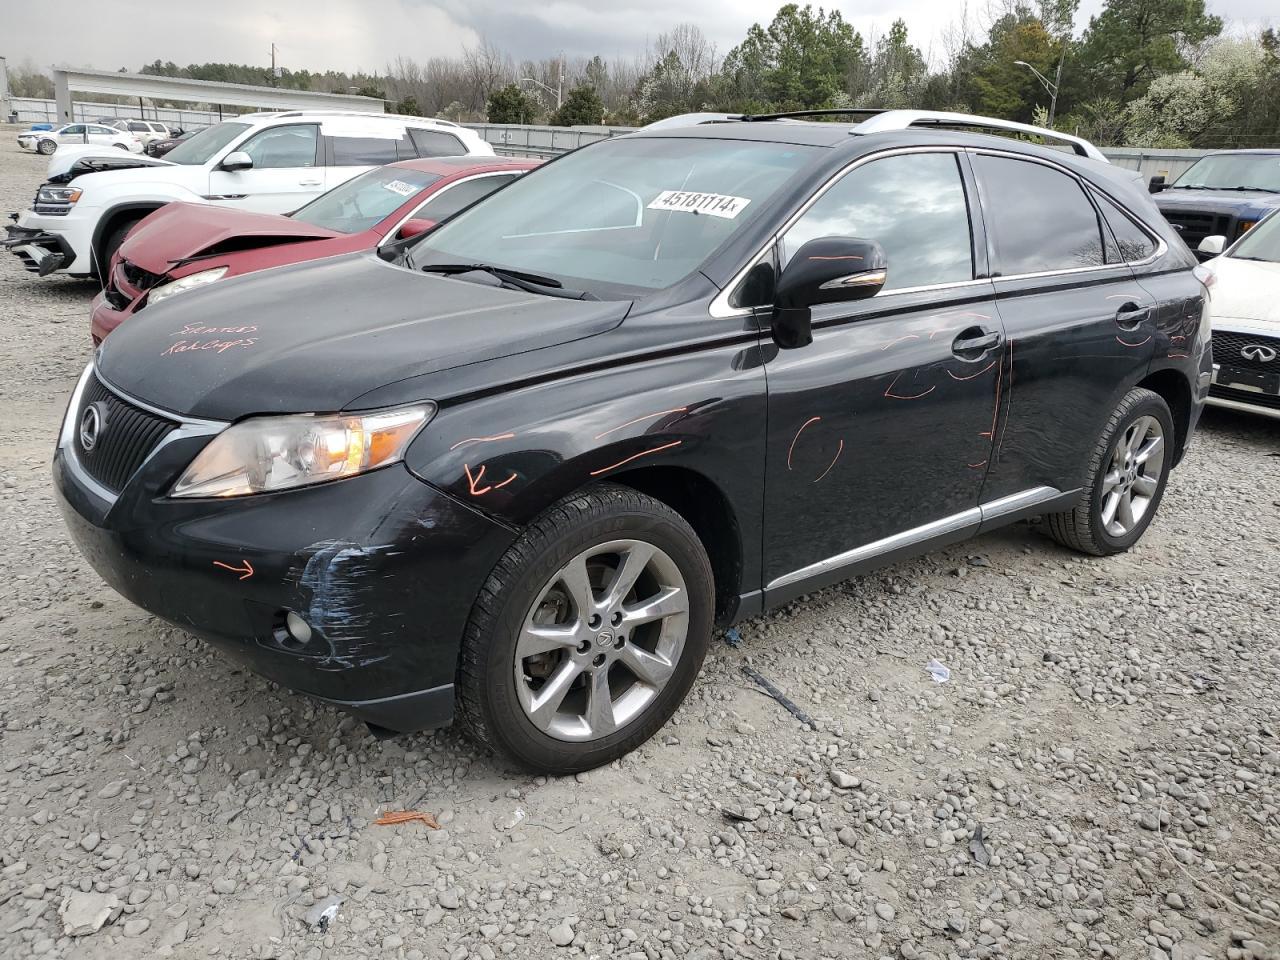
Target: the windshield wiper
(530, 282)
(1259, 189)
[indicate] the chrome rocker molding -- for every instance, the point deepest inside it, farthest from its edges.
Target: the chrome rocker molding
(958, 526)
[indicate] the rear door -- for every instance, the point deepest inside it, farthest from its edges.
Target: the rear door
(286, 172)
(1079, 329)
(351, 150)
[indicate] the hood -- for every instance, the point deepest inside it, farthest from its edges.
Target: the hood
(1245, 290)
(1216, 201)
(69, 162)
(312, 337)
(179, 230)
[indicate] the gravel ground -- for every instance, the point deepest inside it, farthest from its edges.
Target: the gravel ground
(1111, 726)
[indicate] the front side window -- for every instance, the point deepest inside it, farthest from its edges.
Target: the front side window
(1232, 171)
(293, 145)
(1039, 219)
(203, 146)
(913, 205)
(74, 130)
(453, 198)
(621, 217)
(363, 201)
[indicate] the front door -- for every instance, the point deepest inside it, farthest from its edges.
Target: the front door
(286, 171)
(880, 431)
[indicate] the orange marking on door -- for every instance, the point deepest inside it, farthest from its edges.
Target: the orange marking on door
(973, 375)
(1008, 404)
(647, 416)
(981, 463)
(1126, 343)
(498, 436)
(909, 336)
(888, 392)
(636, 456)
(246, 571)
(792, 448)
(839, 450)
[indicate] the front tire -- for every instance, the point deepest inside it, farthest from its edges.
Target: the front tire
(114, 239)
(588, 633)
(1127, 477)
(46, 148)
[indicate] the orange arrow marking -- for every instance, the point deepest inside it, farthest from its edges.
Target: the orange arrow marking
(246, 570)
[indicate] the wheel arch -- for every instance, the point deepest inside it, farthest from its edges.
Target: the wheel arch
(129, 210)
(706, 508)
(1173, 387)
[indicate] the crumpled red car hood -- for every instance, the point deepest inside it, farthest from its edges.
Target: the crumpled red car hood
(179, 230)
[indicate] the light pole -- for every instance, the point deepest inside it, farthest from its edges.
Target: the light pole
(1051, 87)
(558, 93)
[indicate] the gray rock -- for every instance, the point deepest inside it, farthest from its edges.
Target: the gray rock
(85, 913)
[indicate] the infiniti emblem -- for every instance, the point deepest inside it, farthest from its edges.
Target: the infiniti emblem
(1259, 352)
(92, 423)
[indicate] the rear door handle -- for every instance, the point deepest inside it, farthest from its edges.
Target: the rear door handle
(1130, 315)
(308, 183)
(972, 342)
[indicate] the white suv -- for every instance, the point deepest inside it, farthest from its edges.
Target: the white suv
(265, 162)
(47, 141)
(144, 130)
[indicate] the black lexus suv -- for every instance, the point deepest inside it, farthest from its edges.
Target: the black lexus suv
(514, 471)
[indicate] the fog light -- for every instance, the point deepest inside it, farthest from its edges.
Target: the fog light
(298, 628)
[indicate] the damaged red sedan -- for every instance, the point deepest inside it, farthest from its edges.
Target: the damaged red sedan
(186, 245)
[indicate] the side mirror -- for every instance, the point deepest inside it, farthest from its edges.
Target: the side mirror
(1212, 245)
(825, 270)
(413, 227)
(237, 160)
(1156, 184)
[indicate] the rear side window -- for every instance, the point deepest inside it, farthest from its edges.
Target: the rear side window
(1131, 242)
(433, 143)
(369, 151)
(1039, 219)
(452, 199)
(913, 205)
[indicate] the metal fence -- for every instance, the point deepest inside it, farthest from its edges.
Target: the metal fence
(513, 139)
(31, 110)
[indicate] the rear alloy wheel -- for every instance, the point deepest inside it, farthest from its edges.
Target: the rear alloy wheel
(46, 147)
(1128, 473)
(566, 670)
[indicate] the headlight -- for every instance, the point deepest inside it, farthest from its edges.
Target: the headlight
(265, 454)
(1247, 225)
(51, 194)
(166, 290)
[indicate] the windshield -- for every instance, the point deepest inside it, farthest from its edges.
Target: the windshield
(1260, 243)
(622, 217)
(1227, 171)
(363, 201)
(200, 148)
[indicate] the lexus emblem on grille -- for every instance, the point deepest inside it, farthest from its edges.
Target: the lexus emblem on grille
(1259, 352)
(92, 423)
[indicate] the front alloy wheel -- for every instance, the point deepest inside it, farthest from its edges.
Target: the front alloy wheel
(588, 633)
(602, 640)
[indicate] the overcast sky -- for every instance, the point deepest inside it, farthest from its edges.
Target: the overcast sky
(362, 34)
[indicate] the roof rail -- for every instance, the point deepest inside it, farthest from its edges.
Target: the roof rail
(799, 114)
(903, 119)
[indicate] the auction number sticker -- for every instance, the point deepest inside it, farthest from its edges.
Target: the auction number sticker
(400, 187)
(687, 201)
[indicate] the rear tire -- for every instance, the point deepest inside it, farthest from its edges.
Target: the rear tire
(561, 680)
(46, 147)
(1127, 477)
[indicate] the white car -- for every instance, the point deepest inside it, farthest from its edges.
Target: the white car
(47, 141)
(264, 162)
(146, 131)
(1244, 282)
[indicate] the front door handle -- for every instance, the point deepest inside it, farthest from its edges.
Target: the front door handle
(308, 183)
(972, 342)
(1130, 315)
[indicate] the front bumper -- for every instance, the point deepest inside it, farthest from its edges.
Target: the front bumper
(383, 567)
(41, 252)
(1248, 385)
(70, 234)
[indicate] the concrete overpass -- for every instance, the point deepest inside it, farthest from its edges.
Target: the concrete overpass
(66, 80)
